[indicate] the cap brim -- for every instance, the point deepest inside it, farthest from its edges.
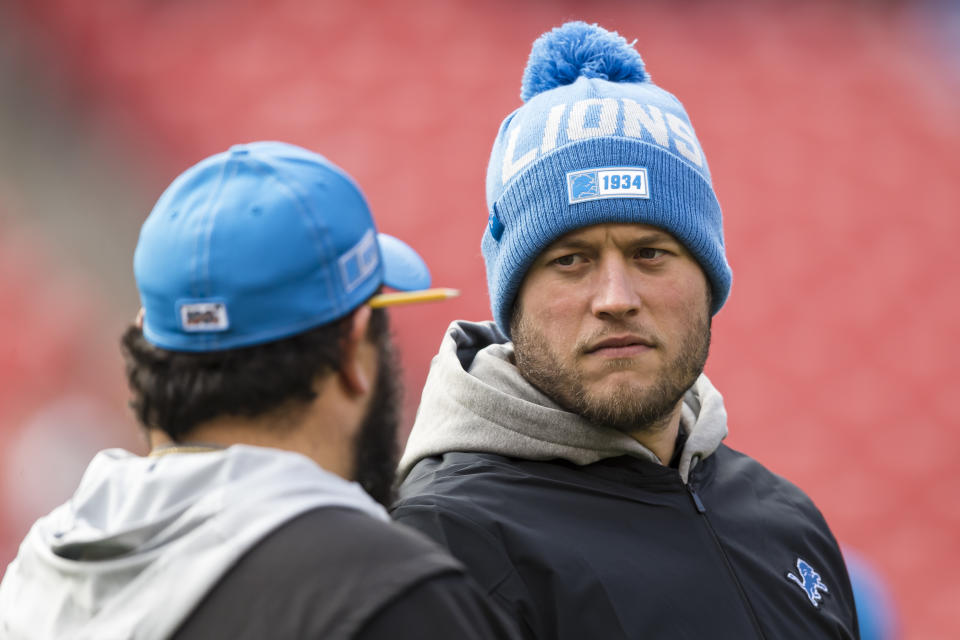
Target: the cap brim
(411, 297)
(403, 268)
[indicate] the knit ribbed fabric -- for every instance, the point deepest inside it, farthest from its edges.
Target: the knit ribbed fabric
(595, 124)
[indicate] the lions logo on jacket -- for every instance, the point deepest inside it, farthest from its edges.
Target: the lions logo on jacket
(809, 581)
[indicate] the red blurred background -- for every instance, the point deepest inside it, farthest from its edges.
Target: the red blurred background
(833, 134)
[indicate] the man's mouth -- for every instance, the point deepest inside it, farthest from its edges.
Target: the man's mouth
(620, 346)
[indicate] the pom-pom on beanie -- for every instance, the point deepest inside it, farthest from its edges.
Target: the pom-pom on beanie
(595, 142)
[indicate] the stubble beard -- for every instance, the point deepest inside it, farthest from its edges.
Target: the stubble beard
(624, 407)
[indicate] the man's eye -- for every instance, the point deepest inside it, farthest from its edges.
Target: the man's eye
(649, 253)
(566, 261)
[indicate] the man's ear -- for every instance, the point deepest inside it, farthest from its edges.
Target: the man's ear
(355, 361)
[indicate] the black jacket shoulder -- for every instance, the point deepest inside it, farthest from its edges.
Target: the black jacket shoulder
(339, 573)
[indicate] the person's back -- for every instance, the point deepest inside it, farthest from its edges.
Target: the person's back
(337, 573)
(147, 542)
(264, 379)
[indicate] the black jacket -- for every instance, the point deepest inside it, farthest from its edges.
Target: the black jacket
(335, 573)
(621, 548)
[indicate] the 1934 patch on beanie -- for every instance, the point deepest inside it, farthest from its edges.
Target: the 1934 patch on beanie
(595, 142)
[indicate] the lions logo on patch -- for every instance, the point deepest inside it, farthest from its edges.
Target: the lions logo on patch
(583, 185)
(809, 581)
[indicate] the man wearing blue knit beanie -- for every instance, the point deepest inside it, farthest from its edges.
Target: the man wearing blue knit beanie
(570, 452)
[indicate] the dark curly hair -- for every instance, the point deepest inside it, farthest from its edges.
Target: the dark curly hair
(175, 391)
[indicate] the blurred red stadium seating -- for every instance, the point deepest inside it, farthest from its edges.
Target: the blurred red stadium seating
(833, 139)
(55, 394)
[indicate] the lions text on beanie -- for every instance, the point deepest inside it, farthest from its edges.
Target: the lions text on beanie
(594, 142)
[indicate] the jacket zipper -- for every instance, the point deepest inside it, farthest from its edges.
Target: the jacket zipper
(698, 504)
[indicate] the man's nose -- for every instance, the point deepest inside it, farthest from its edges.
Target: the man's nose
(616, 294)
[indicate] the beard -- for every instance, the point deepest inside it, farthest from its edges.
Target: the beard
(375, 446)
(626, 407)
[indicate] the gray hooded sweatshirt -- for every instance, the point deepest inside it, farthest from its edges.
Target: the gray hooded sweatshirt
(476, 400)
(144, 539)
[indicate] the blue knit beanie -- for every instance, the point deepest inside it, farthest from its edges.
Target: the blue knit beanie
(595, 142)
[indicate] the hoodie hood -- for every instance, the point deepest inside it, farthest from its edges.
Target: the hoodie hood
(475, 399)
(143, 539)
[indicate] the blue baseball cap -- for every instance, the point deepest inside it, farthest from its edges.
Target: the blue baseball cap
(259, 243)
